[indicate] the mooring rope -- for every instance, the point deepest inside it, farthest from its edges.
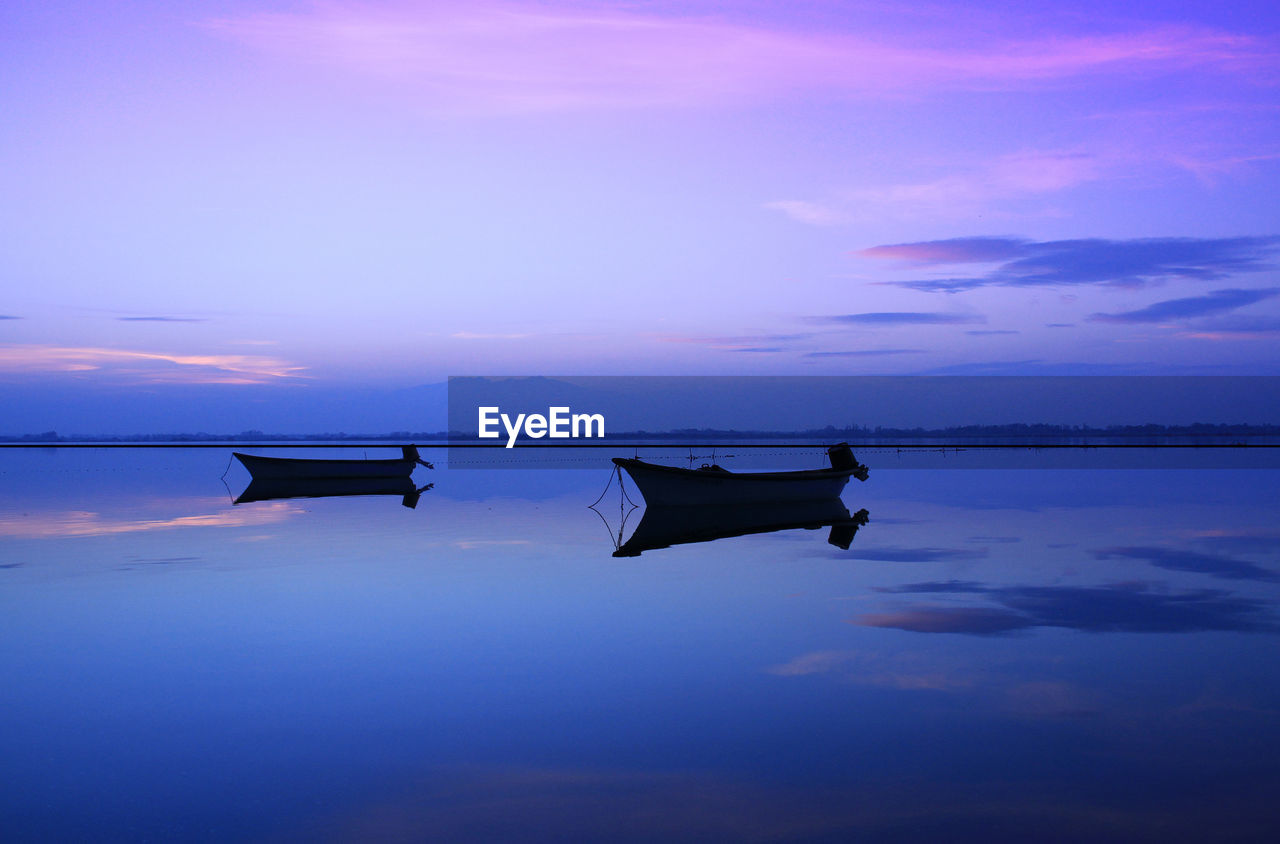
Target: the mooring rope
(623, 513)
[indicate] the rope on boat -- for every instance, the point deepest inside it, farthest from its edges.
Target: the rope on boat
(623, 487)
(623, 512)
(616, 470)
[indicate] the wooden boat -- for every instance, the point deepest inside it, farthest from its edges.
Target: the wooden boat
(663, 526)
(268, 468)
(668, 485)
(271, 489)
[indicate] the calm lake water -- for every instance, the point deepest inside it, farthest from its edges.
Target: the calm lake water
(1033, 653)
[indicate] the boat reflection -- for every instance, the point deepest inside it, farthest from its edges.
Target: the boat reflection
(664, 526)
(270, 489)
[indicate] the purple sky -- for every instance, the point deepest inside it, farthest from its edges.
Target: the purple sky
(309, 196)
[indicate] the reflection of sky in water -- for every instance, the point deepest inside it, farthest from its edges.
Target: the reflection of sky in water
(998, 653)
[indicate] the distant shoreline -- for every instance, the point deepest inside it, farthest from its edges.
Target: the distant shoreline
(1014, 435)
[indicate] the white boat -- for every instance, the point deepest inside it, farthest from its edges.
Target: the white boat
(672, 486)
(277, 468)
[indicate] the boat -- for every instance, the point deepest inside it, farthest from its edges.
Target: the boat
(271, 489)
(673, 486)
(663, 526)
(269, 468)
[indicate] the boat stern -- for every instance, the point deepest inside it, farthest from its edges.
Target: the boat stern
(841, 456)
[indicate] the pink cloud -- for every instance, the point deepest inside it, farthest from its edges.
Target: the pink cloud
(967, 191)
(150, 367)
(813, 213)
(1210, 169)
(873, 670)
(954, 251)
(509, 56)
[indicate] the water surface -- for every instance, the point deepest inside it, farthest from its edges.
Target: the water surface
(1038, 652)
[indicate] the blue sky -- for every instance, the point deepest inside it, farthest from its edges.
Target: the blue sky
(300, 197)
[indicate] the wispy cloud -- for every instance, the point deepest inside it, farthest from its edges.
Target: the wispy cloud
(1235, 325)
(1171, 310)
(956, 250)
(149, 367)
(965, 191)
(901, 318)
(784, 343)
(812, 212)
(991, 332)
(1130, 263)
(7, 316)
(751, 343)
(1039, 366)
(865, 353)
(540, 56)
(472, 335)
(160, 319)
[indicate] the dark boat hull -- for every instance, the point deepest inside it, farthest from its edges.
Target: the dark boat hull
(663, 526)
(271, 489)
(275, 468)
(670, 486)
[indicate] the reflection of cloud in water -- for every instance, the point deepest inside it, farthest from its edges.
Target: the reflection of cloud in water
(63, 523)
(816, 662)
(1129, 608)
(890, 520)
(1264, 542)
(1051, 699)
(1214, 565)
(583, 804)
(888, 554)
(874, 670)
(930, 672)
(1215, 701)
(977, 620)
(162, 561)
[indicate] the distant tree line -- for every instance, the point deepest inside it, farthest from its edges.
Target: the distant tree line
(1011, 431)
(242, 437)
